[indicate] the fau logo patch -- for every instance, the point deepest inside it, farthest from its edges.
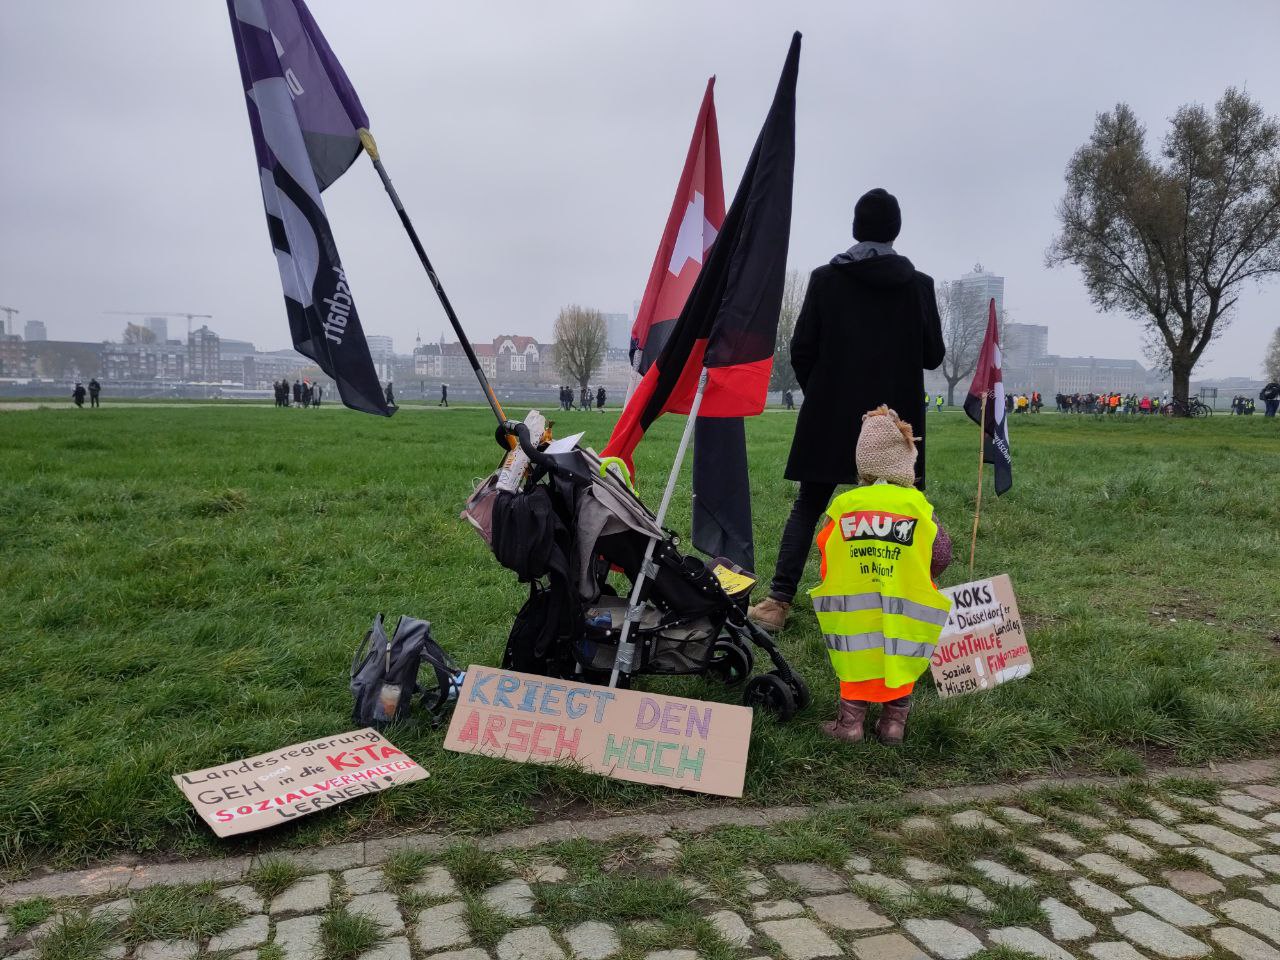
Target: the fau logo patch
(873, 525)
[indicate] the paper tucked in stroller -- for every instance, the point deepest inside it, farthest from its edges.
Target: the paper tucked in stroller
(572, 522)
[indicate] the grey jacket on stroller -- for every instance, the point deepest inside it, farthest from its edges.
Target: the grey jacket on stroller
(564, 531)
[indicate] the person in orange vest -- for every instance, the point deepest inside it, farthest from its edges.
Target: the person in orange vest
(879, 609)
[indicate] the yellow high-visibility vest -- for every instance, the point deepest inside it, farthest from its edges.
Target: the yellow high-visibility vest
(878, 608)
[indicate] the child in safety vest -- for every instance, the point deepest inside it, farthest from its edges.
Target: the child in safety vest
(879, 609)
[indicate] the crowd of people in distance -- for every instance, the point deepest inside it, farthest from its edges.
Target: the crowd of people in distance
(1242, 406)
(583, 398)
(94, 391)
(303, 393)
(1111, 402)
(1023, 402)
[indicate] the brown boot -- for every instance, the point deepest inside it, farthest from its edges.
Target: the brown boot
(770, 614)
(850, 716)
(891, 728)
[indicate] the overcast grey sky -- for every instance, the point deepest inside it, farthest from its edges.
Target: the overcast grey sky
(537, 146)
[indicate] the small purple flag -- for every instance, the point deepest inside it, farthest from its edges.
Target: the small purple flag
(305, 118)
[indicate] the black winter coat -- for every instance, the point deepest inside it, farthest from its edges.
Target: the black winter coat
(867, 331)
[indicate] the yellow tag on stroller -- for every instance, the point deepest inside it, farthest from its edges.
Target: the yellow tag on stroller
(733, 582)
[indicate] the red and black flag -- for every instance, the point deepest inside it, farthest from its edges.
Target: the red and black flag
(729, 322)
(988, 381)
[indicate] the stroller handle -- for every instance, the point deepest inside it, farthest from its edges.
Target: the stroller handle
(521, 432)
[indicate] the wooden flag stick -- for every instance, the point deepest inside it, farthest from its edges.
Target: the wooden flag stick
(977, 510)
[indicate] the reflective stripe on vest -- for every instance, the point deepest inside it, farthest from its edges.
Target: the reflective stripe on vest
(850, 603)
(852, 643)
(878, 609)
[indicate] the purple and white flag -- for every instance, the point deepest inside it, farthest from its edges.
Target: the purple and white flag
(305, 118)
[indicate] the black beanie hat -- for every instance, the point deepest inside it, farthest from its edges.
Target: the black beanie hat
(876, 216)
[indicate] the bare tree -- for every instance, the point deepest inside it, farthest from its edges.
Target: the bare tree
(793, 291)
(581, 338)
(1172, 241)
(137, 333)
(1271, 364)
(964, 324)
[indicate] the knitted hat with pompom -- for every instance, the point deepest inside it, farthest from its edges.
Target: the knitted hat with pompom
(886, 449)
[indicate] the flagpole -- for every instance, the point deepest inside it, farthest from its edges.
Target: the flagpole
(977, 510)
(633, 378)
(371, 147)
(626, 649)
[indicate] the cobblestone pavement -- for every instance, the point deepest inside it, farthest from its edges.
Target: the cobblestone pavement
(1171, 870)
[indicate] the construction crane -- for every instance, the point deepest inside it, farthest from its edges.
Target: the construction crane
(162, 313)
(9, 313)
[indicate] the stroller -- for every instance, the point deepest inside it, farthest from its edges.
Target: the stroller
(569, 524)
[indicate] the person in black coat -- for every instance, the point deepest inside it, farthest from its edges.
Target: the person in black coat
(1270, 396)
(867, 330)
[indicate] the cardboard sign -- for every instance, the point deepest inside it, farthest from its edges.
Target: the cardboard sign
(625, 734)
(246, 795)
(983, 644)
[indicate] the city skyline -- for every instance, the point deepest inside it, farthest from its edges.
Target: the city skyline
(523, 212)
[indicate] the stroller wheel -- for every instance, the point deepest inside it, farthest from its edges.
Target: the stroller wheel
(730, 662)
(768, 691)
(800, 690)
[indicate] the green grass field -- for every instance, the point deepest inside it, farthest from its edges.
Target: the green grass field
(184, 586)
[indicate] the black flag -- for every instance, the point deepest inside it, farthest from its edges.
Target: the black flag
(722, 522)
(722, 491)
(306, 122)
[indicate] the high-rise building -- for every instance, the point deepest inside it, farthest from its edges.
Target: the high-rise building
(1024, 343)
(159, 326)
(618, 328)
(382, 352)
(34, 330)
(204, 355)
(984, 286)
(380, 347)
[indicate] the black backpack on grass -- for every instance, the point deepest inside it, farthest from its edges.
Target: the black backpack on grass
(384, 674)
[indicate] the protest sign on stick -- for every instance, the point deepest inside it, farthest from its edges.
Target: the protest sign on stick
(241, 796)
(983, 644)
(625, 734)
